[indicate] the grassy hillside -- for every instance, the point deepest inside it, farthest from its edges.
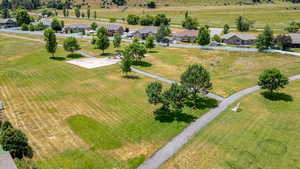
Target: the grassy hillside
(264, 134)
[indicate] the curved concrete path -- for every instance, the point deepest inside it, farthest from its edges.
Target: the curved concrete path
(167, 151)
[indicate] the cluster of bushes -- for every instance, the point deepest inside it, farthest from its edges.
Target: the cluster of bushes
(148, 20)
(293, 27)
(30, 27)
(16, 143)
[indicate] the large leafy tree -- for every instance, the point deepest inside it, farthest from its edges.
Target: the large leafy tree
(22, 17)
(196, 78)
(133, 19)
(16, 142)
(272, 79)
(190, 23)
(5, 13)
(161, 19)
(175, 97)
(265, 40)
(163, 32)
(117, 40)
(102, 41)
(293, 27)
(71, 44)
(243, 24)
(203, 36)
(226, 29)
(136, 50)
(50, 39)
(150, 43)
(56, 25)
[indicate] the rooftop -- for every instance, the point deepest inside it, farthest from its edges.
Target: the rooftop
(192, 33)
(111, 26)
(80, 26)
(243, 36)
(148, 30)
(7, 20)
(295, 38)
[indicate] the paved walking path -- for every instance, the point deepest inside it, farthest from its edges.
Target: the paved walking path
(167, 151)
(160, 44)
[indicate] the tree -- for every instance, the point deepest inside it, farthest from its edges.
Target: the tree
(175, 97)
(56, 25)
(226, 29)
(22, 17)
(133, 19)
(117, 40)
(50, 39)
(31, 27)
(272, 79)
(190, 23)
(265, 40)
(196, 78)
(102, 41)
(94, 25)
(136, 50)
(95, 15)
(71, 44)
(119, 2)
(5, 13)
(65, 12)
(88, 12)
(154, 90)
(150, 43)
(16, 143)
(217, 38)
(203, 36)
(161, 19)
(146, 20)
(283, 41)
(243, 24)
(24, 27)
(162, 33)
(126, 61)
(151, 4)
(77, 12)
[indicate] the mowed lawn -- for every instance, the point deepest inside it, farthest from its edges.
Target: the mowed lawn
(264, 134)
(230, 71)
(77, 118)
(277, 16)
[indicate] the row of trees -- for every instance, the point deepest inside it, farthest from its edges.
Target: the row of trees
(22, 4)
(148, 20)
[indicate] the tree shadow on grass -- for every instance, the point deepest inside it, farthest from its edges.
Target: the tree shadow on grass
(74, 55)
(201, 102)
(164, 115)
(153, 51)
(58, 58)
(277, 96)
(133, 77)
(106, 54)
(141, 63)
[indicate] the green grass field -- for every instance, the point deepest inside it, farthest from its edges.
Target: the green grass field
(277, 16)
(77, 118)
(264, 134)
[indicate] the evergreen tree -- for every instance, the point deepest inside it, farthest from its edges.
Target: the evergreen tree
(150, 42)
(117, 40)
(265, 40)
(162, 33)
(203, 36)
(50, 39)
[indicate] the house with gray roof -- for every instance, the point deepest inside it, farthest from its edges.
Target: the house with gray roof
(145, 32)
(75, 28)
(8, 23)
(185, 35)
(295, 40)
(113, 29)
(241, 39)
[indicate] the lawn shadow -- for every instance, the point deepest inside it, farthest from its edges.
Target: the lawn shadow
(152, 51)
(164, 115)
(57, 58)
(141, 63)
(134, 77)
(201, 102)
(106, 54)
(74, 55)
(277, 96)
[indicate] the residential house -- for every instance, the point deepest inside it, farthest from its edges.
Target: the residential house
(145, 32)
(295, 40)
(8, 23)
(76, 28)
(239, 39)
(113, 29)
(44, 21)
(185, 36)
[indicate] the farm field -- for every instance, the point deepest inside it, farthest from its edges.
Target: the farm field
(230, 71)
(77, 118)
(277, 16)
(264, 134)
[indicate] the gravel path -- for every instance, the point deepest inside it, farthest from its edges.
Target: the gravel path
(167, 151)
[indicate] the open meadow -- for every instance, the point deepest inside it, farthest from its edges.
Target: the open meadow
(264, 134)
(79, 118)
